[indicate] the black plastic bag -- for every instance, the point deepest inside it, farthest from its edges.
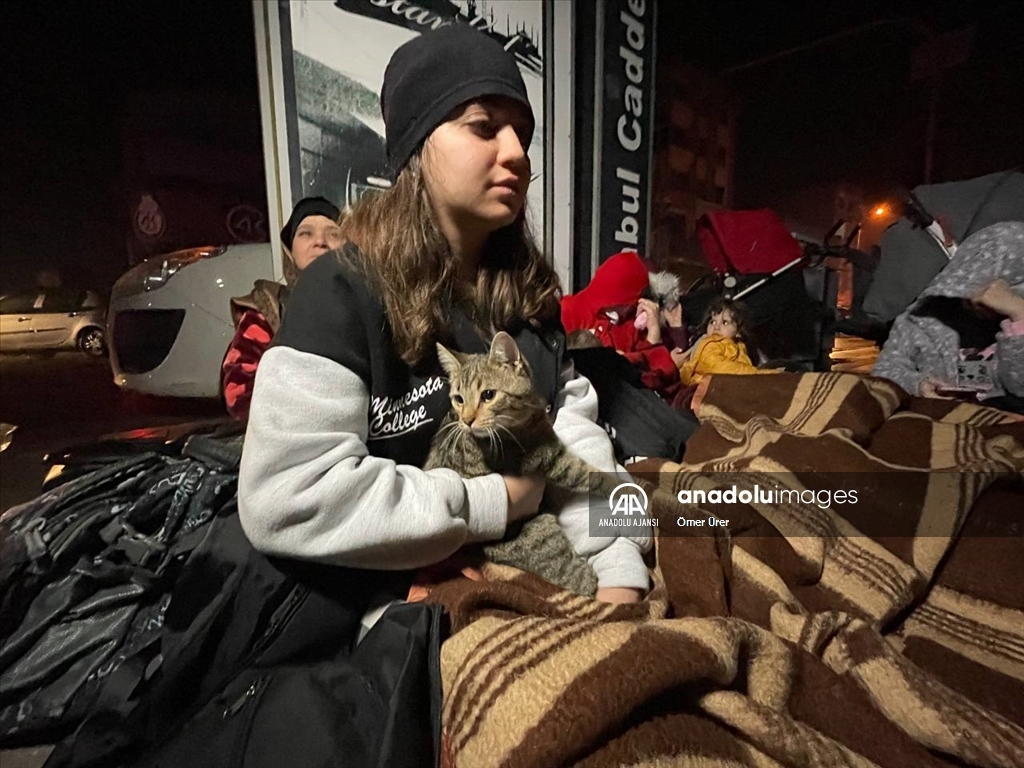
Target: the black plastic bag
(258, 666)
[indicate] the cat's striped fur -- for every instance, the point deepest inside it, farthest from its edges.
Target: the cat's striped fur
(499, 424)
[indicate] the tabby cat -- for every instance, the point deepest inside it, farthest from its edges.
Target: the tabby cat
(499, 424)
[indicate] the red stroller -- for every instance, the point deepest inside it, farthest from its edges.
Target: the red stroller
(754, 257)
(747, 243)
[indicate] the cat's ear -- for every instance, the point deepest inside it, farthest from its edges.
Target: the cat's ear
(449, 361)
(504, 349)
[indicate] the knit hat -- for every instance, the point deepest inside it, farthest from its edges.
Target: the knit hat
(307, 206)
(432, 74)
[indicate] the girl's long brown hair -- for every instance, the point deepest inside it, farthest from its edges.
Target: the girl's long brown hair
(411, 268)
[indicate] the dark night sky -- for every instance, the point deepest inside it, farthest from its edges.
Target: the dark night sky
(66, 69)
(843, 111)
(846, 110)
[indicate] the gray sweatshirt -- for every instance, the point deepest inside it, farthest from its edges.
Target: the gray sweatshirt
(311, 488)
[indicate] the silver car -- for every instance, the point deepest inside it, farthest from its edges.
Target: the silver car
(51, 319)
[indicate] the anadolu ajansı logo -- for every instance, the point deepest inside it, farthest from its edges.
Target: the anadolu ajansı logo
(629, 499)
(628, 504)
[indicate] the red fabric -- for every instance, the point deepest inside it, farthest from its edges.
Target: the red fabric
(746, 242)
(619, 283)
(619, 280)
(238, 371)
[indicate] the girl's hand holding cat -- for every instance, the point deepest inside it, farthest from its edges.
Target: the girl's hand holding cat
(619, 595)
(524, 495)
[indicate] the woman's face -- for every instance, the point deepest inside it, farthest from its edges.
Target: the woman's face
(723, 324)
(475, 166)
(314, 236)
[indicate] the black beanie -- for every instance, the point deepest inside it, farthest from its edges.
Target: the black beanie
(432, 74)
(307, 206)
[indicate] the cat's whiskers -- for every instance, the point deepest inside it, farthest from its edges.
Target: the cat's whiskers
(454, 434)
(497, 439)
(490, 439)
(465, 435)
(511, 434)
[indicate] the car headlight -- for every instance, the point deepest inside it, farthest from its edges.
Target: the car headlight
(156, 271)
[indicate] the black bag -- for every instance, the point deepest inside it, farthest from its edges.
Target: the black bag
(638, 421)
(258, 667)
(374, 708)
(91, 568)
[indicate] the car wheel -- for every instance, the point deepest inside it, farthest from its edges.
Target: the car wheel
(92, 342)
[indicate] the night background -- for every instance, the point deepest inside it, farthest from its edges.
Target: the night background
(73, 74)
(846, 109)
(95, 96)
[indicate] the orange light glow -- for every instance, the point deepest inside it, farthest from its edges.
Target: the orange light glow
(881, 210)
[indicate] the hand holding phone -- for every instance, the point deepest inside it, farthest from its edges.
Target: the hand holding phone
(957, 393)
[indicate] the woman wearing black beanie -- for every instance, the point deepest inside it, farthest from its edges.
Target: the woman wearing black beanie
(311, 231)
(351, 392)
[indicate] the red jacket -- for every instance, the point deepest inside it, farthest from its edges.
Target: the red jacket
(617, 286)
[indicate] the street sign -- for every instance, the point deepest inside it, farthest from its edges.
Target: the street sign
(148, 220)
(624, 100)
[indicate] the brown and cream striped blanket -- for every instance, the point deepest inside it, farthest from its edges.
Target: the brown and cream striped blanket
(889, 633)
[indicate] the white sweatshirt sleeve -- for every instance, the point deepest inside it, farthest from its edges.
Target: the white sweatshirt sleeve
(309, 489)
(617, 560)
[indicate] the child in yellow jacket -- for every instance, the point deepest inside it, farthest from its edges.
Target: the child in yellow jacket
(721, 349)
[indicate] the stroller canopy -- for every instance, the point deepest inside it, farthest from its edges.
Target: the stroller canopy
(746, 242)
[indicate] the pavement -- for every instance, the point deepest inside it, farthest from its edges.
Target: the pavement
(30, 757)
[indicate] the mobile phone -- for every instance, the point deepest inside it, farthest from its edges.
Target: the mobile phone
(960, 393)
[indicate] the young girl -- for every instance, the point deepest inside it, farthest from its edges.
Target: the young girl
(721, 349)
(349, 396)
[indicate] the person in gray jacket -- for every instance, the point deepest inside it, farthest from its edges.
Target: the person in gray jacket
(965, 333)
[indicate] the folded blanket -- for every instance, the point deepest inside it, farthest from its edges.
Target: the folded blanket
(821, 638)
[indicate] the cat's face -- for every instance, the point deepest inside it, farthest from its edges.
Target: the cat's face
(490, 392)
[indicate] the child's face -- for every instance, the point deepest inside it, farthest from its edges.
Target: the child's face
(722, 324)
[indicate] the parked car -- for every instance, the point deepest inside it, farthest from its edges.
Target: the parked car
(169, 322)
(51, 319)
